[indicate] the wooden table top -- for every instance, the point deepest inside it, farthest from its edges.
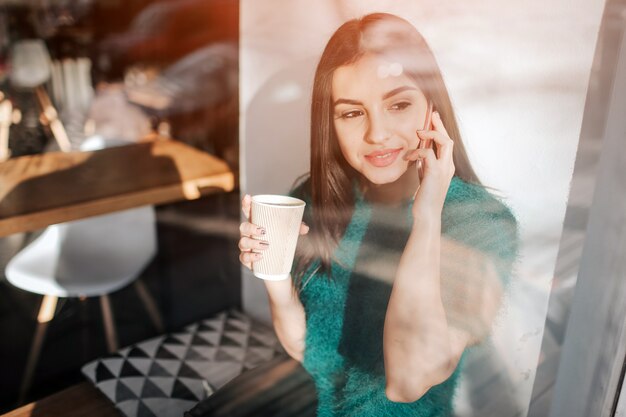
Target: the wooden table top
(40, 190)
(79, 400)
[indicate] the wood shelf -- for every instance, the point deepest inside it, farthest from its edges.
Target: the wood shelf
(40, 190)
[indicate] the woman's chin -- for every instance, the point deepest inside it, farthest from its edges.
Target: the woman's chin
(387, 178)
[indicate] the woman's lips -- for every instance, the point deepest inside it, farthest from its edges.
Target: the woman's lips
(383, 158)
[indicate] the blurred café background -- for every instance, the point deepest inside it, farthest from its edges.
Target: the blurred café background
(93, 74)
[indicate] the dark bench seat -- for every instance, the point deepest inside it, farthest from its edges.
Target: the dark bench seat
(280, 387)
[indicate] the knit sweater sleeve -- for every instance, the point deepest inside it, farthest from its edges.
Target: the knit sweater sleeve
(475, 218)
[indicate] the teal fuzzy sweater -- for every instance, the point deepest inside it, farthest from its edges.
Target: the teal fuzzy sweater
(345, 315)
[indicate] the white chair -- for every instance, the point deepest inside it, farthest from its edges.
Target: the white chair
(86, 258)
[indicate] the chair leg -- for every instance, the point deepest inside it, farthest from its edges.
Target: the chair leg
(150, 305)
(109, 325)
(46, 313)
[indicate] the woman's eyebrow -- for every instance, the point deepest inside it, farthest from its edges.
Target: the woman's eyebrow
(385, 96)
(398, 91)
(347, 101)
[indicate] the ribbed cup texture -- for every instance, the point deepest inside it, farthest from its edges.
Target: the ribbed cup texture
(281, 217)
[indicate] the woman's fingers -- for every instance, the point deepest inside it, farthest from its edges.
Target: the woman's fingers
(443, 142)
(246, 203)
(426, 155)
(439, 135)
(250, 248)
(249, 229)
(246, 258)
(248, 244)
(438, 124)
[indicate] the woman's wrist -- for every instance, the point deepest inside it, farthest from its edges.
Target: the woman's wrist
(281, 292)
(427, 220)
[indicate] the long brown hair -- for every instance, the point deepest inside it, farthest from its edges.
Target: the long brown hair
(331, 178)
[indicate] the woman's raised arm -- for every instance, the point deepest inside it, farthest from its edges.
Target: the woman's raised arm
(419, 349)
(436, 312)
(417, 343)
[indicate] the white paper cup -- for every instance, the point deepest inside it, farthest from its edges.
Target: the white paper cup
(281, 217)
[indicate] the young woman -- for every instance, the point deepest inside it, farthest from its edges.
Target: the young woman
(407, 254)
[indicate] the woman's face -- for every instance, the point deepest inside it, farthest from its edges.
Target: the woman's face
(377, 110)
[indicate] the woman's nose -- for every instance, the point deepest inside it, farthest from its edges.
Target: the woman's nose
(377, 130)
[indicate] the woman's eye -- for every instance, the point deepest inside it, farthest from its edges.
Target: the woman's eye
(351, 114)
(400, 106)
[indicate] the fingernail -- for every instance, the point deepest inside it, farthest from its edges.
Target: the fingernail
(264, 243)
(258, 256)
(260, 230)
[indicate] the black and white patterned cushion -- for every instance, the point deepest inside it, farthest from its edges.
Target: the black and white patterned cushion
(169, 374)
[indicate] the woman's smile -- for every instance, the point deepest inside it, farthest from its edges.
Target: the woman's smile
(383, 158)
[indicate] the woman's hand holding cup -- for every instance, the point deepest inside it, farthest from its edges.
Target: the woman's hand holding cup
(251, 242)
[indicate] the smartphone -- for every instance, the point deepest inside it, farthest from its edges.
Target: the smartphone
(424, 144)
